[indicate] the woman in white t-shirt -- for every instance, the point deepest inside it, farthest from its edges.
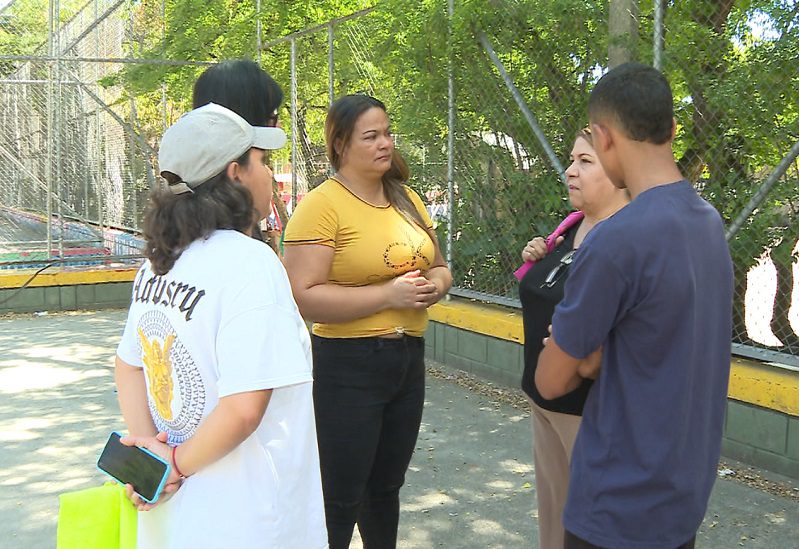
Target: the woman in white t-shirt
(214, 369)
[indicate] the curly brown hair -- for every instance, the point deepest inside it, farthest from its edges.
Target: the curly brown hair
(172, 222)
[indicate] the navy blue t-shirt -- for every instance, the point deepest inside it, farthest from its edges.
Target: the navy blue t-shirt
(653, 286)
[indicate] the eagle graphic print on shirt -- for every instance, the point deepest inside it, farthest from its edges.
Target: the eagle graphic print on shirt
(175, 390)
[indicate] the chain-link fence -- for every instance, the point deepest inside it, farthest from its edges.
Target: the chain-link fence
(488, 157)
(74, 169)
(497, 167)
(733, 70)
(521, 86)
(734, 73)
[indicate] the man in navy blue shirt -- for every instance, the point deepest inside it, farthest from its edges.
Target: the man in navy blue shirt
(647, 311)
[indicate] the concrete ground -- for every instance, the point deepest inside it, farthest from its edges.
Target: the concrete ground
(471, 483)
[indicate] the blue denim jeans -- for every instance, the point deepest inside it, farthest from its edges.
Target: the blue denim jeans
(368, 397)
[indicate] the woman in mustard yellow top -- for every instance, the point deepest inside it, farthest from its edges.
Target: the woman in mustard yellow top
(365, 265)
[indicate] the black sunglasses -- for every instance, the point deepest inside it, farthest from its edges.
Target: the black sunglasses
(555, 274)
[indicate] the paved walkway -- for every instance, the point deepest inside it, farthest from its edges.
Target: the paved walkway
(471, 482)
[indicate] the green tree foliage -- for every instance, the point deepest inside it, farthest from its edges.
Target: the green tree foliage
(201, 30)
(739, 118)
(23, 27)
(732, 65)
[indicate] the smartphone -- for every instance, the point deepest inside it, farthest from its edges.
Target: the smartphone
(142, 469)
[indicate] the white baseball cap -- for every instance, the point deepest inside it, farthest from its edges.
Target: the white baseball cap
(204, 141)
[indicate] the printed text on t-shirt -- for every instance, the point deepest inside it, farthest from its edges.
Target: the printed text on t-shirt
(160, 291)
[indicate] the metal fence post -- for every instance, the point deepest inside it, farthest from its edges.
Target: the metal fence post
(657, 41)
(258, 30)
(450, 134)
(98, 132)
(330, 65)
(293, 124)
(164, 123)
(763, 191)
(50, 137)
(131, 142)
(528, 115)
(59, 115)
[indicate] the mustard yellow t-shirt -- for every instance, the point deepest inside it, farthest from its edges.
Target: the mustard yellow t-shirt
(372, 244)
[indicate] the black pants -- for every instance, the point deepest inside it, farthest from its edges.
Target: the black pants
(368, 396)
(573, 542)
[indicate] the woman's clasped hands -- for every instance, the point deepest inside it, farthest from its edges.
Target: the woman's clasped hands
(411, 291)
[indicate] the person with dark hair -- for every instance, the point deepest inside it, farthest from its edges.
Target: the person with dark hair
(243, 87)
(365, 265)
(213, 370)
(541, 281)
(249, 91)
(648, 304)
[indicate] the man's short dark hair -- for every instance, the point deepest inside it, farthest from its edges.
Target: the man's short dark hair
(638, 99)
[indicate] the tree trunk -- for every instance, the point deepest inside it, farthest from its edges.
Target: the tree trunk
(780, 323)
(623, 30)
(280, 206)
(739, 333)
(705, 119)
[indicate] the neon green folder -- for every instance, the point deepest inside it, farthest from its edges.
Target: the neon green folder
(97, 518)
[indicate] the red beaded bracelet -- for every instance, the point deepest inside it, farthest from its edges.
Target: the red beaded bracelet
(175, 463)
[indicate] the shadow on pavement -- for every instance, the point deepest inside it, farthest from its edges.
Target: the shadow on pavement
(470, 485)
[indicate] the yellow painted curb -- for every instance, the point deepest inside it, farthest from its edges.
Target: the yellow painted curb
(483, 319)
(67, 278)
(763, 385)
(752, 382)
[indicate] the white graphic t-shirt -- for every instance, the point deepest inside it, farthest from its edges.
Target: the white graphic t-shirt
(223, 321)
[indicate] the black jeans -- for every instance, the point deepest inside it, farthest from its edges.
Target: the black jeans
(368, 396)
(573, 542)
